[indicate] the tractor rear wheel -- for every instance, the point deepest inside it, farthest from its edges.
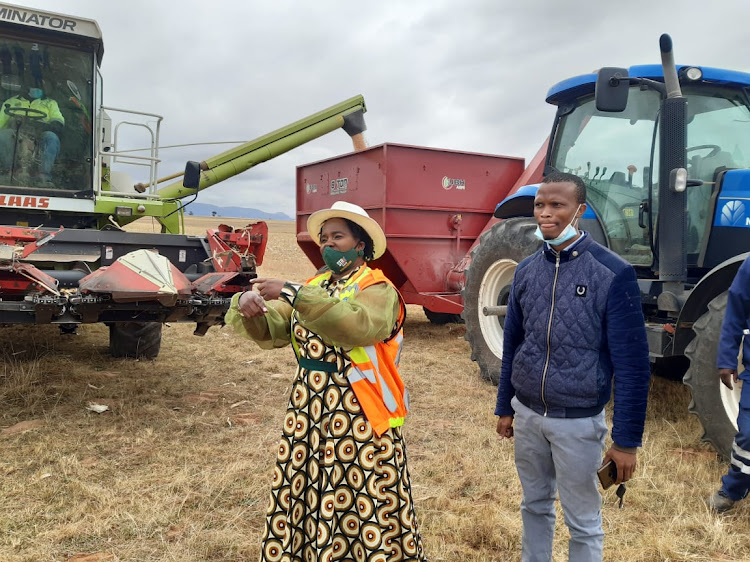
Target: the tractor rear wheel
(715, 405)
(488, 280)
(135, 339)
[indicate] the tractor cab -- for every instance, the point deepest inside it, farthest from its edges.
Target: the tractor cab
(48, 80)
(616, 152)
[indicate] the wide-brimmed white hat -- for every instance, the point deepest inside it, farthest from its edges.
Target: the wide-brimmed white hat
(354, 213)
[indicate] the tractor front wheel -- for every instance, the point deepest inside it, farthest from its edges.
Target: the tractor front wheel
(488, 280)
(715, 405)
(135, 339)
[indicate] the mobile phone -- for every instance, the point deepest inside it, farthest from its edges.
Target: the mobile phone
(607, 474)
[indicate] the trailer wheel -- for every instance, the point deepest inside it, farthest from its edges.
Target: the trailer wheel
(135, 339)
(715, 405)
(440, 318)
(488, 279)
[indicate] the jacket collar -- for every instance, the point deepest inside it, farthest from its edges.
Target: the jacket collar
(571, 252)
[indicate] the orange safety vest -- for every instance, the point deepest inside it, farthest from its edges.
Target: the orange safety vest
(374, 375)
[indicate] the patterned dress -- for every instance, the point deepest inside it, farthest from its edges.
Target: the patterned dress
(338, 492)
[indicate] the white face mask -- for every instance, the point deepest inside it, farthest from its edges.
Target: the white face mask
(568, 232)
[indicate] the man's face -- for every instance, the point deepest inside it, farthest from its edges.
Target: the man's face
(555, 207)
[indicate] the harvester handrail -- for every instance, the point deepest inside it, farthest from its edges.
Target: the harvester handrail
(159, 118)
(125, 157)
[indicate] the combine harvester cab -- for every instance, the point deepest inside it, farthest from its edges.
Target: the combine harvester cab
(64, 255)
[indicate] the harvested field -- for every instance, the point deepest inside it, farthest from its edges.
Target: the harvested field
(179, 465)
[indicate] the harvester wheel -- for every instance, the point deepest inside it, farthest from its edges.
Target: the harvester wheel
(135, 339)
(488, 279)
(715, 405)
(440, 318)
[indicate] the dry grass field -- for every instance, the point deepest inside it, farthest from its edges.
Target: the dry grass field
(179, 466)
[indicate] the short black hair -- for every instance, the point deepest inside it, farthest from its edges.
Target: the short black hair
(360, 234)
(563, 177)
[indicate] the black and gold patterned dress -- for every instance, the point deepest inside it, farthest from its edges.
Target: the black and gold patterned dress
(338, 492)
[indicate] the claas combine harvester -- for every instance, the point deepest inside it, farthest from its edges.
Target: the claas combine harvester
(64, 256)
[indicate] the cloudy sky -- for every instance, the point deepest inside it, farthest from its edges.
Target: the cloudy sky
(465, 75)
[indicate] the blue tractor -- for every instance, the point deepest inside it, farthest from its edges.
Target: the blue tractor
(663, 150)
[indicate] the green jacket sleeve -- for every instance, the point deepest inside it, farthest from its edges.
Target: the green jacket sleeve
(53, 112)
(365, 319)
(4, 117)
(269, 331)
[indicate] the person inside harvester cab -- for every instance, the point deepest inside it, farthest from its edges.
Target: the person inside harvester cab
(30, 125)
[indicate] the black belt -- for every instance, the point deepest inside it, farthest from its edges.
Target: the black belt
(559, 412)
(315, 365)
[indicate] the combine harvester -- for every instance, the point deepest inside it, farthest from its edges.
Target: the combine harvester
(64, 256)
(663, 151)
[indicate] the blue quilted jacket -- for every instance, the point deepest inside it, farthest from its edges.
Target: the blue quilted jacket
(574, 319)
(736, 319)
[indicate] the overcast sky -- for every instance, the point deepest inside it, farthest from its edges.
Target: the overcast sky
(465, 75)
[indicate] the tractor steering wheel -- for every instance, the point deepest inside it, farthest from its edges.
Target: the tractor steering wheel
(25, 112)
(715, 149)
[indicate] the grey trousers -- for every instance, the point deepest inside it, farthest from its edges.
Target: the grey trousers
(559, 455)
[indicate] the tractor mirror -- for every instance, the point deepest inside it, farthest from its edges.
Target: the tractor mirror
(192, 178)
(612, 86)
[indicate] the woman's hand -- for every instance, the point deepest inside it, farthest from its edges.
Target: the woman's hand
(269, 289)
(251, 305)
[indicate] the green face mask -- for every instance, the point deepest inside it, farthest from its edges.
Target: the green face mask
(340, 261)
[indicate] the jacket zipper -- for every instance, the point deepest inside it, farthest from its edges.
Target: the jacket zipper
(549, 332)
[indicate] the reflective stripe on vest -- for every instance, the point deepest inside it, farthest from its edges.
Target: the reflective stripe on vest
(374, 375)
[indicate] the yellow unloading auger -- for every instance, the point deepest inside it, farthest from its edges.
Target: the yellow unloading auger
(348, 115)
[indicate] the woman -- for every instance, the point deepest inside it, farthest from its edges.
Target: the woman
(341, 488)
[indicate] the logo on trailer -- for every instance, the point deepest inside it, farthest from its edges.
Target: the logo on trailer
(448, 183)
(734, 213)
(311, 188)
(339, 186)
(24, 201)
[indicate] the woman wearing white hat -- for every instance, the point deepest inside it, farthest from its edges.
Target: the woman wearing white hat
(341, 487)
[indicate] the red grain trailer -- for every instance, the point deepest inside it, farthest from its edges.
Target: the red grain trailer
(431, 203)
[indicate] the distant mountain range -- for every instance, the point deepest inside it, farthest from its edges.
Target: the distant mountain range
(204, 210)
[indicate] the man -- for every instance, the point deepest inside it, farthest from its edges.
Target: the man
(735, 484)
(38, 117)
(574, 318)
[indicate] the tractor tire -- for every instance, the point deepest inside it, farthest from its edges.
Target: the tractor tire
(715, 405)
(440, 318)
(140, 340)
(488, 280)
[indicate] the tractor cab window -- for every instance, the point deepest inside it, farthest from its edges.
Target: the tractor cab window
(718, 128)
(45, 117)
(611, 152)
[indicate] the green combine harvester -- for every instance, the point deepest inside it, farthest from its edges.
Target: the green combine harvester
(64, 256)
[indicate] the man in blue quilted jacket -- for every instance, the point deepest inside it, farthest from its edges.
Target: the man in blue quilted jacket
(574, 326)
